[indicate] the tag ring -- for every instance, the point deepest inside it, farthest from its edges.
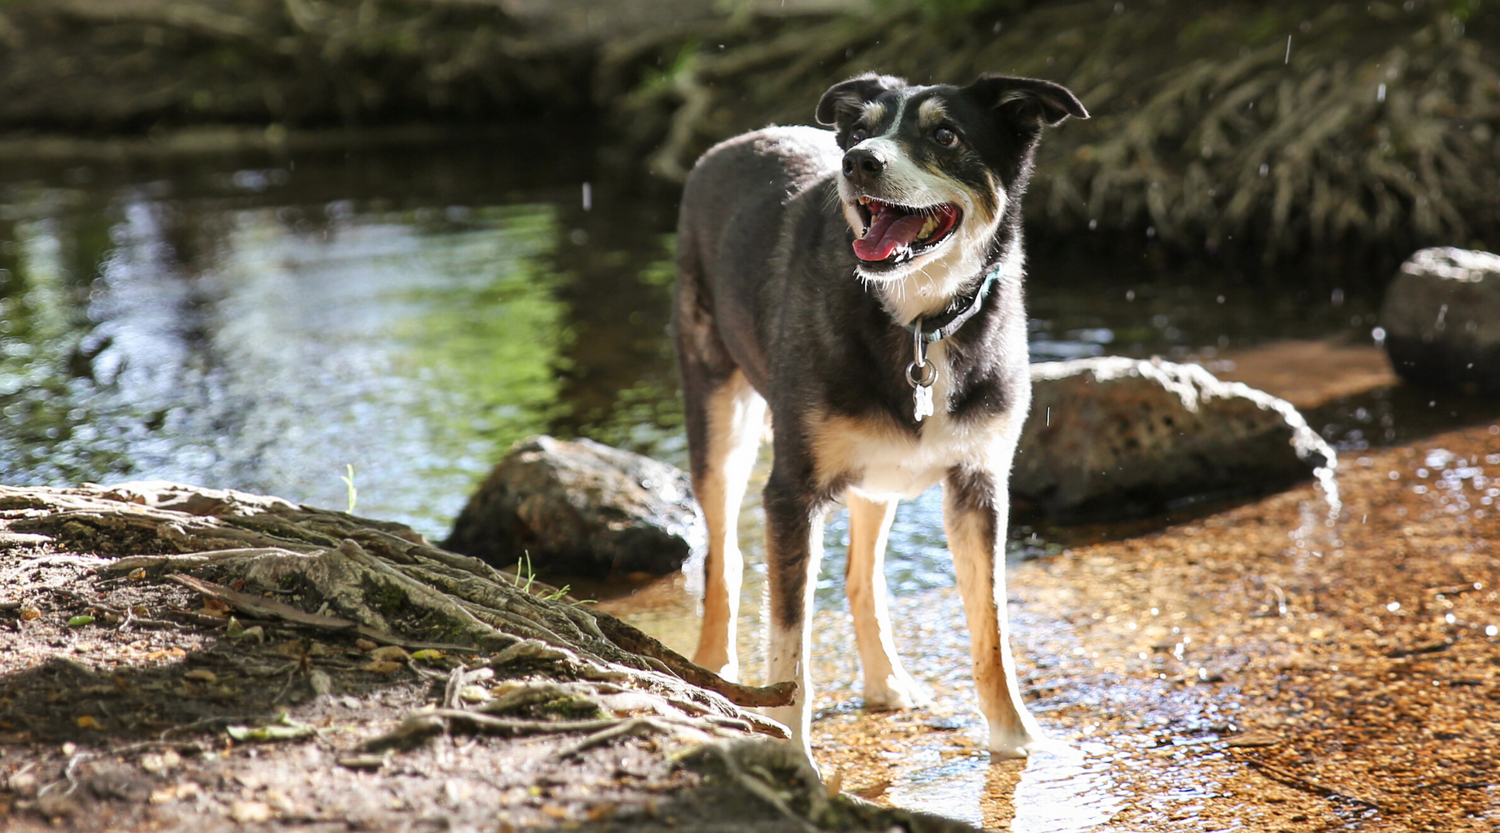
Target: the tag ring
(928, 374)
(919, 354)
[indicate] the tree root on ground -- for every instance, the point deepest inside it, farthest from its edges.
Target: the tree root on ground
(328, 571)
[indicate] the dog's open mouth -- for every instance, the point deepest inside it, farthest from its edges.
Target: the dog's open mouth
(896, 233)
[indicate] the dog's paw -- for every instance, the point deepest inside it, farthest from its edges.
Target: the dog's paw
(895, 692)
(729, 671)
(1021, 743)
(715, 661)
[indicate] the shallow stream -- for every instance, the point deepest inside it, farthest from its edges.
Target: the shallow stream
(373, 327)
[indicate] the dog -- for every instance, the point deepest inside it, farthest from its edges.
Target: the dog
(865, 284)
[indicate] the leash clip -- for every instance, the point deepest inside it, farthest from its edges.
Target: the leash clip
(920, 374)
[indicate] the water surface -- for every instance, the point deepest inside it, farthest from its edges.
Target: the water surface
(264, 322)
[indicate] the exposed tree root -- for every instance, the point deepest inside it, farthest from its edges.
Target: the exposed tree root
(322, 570)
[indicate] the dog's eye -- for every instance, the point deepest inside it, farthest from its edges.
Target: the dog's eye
(857, 135)
(945, 137)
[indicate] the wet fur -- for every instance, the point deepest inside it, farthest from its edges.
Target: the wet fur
(774, 310)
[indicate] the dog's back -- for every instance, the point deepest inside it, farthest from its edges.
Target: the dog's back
(737, 208)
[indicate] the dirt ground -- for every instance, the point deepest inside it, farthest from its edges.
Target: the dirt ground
(112, 726)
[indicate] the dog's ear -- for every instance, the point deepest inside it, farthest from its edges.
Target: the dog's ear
(845, 99)
(1028, 101)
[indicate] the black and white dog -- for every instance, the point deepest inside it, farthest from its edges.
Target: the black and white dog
(866, 285)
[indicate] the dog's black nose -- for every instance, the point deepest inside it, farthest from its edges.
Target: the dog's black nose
(862, 160)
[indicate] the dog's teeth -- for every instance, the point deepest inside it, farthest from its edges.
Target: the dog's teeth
(864, 200)
(928, 227)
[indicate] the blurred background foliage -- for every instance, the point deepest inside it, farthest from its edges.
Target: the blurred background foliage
(1263, 130)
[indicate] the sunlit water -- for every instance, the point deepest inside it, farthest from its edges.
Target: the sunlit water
(272, 323)
(407, 314)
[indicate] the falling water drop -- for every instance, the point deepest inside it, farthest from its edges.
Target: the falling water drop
(1328, 483)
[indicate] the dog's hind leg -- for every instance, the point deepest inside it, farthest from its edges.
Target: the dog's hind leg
(887, 685)
(724, 435)
(974, 516)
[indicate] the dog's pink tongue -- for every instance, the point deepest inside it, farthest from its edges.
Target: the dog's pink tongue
(889, 231)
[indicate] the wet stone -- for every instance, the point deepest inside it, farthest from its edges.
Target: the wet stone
(581, 508)
(1441, 317)
(1114, 436)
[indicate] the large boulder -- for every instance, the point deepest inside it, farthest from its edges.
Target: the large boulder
(1114, 436)
(580, 508)
(1441, 317)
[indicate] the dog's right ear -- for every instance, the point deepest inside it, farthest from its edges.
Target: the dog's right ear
(844, 100)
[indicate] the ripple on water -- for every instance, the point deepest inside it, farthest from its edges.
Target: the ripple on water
(1060, 789)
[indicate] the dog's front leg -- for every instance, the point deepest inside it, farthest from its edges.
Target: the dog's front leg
(887, 685)
(794, 548)
(974, 515)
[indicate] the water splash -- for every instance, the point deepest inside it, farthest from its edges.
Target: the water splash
(1328, 484)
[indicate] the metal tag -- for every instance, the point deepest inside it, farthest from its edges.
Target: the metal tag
(921, 397)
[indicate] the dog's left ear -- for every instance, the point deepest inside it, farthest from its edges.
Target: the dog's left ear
(844, 100)
(1029, 101)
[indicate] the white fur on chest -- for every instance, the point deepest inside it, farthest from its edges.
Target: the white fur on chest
(883, 461)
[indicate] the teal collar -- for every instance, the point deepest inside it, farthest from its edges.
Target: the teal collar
(947, 322)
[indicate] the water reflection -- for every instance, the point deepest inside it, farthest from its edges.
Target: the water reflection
(263, 323)
(185, 331)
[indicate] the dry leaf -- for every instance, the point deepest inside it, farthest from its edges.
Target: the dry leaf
(251, 812)
(390, 653)
(474, 694)
(873, 791)
(381, 667)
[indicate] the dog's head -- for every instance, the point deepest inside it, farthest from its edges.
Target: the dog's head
(928, 172)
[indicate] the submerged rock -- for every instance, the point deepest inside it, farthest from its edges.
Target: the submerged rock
(1441, 316)
(580, 508)
(1116, 436)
